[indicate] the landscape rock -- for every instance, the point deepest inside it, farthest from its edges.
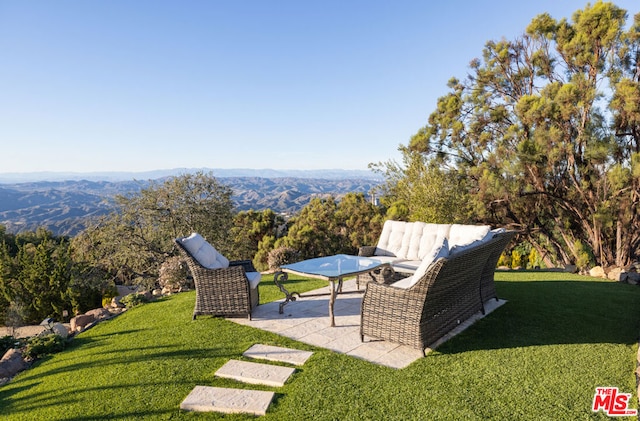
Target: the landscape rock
(633, 278)
(79, 323)
(571, 268)
(616, 274)
(99, 313)
(597, 272)
(61, 330)
(12, 363)
(125, 290)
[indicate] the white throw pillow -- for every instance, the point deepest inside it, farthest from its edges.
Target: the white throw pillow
(440, 249)
(204, 252)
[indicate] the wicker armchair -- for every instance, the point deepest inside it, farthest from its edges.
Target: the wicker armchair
(222, 292)
(445, 296)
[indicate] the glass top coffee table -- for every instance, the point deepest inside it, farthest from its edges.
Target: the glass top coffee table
(330, 268)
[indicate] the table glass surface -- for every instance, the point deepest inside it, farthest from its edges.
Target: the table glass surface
(334, 266)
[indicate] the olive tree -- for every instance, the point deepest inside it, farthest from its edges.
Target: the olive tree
(132, 242)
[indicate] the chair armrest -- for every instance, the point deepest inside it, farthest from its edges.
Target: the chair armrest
(246, 264)
(366, 251)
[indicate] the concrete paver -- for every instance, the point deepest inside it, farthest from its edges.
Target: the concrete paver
(227, 400)
(255, 373)
(307, 320)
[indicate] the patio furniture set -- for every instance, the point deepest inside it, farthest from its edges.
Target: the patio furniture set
(422, 280)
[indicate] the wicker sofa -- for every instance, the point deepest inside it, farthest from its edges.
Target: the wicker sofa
(223, 288)
(451, 283)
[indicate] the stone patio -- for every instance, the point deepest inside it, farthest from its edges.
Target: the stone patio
(307, 320)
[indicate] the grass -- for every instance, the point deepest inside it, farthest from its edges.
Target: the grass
(540, 356)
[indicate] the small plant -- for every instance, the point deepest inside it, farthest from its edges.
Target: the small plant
(108, 295)
(516, 259)
(6, 343)
(133, 300)
(39, 346)
(282, 256)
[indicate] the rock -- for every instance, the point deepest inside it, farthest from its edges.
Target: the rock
(60, 329)
(12, 363)
(633, 278)
(99, 313)
(157, 292)
(571, 268)
(615, 274)
(79, 323)
(125, 290)
(597, 272)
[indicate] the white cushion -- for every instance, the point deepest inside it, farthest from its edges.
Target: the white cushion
(254, 279)
(406, 266)
(406, 239)
(204, 252)
(440, 249)
(461, 235)
(390, 240)
(413, 245)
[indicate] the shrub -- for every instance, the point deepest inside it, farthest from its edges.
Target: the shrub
(282, 256)
(516, 259)
(173, 274)
(6, 343)
(133, 300)
(109, 294)
(44, 345)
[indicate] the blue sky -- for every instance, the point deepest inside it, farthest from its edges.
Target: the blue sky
(124, 85)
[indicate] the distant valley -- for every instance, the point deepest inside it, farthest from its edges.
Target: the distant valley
(64, 206)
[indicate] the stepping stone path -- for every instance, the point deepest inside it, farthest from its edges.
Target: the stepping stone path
(254, 402)
(255, 373)
(276, 353)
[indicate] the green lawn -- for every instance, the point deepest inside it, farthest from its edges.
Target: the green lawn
(540, 356)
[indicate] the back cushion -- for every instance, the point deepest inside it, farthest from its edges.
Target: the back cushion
(469, 236)
(462, 235)
(412, 234)
(413, 246)
(390, 240)
(430, 233)
(204, 252)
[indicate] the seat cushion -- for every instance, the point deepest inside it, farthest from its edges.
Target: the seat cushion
(204, 252)
(254, 279)
(406, 266)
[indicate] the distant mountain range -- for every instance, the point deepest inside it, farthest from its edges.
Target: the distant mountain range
(64, 205)
(156, 174)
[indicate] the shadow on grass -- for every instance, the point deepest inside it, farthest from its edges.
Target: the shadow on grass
(547, 312)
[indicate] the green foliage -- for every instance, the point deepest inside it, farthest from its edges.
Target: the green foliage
(134, 300)
(504, 260)
(282, 256)
(516, 259)
(324, 227)
(131, 243)
(420, 190)
(109, 293)
(39, 346)
(584, 257)
(534, 259)
(6, 343)
(253, 234)
(527, 139)
(34, 282)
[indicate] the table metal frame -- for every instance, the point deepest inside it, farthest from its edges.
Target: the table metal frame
(335, 288)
